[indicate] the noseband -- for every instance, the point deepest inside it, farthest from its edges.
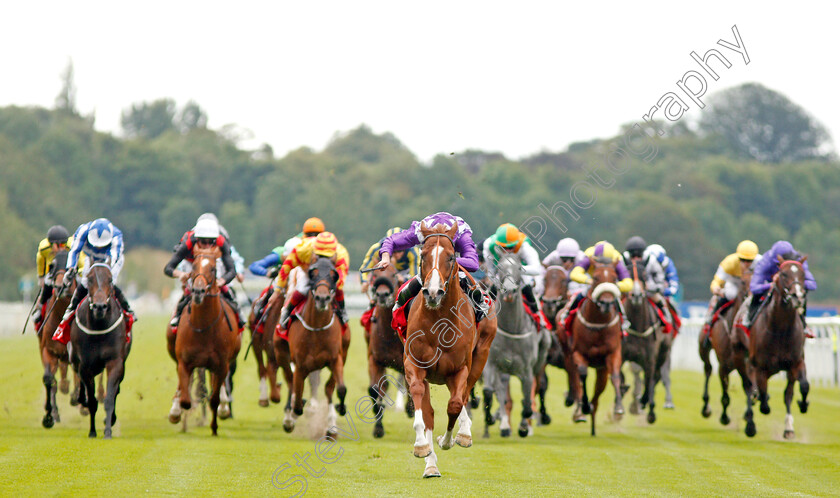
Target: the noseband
(454, 267)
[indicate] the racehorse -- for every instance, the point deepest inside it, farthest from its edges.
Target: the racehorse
(385, 349)
(519, 348)
(54, 353)
(731, 355)
(443, 346)
(99, 342)
(262, 335)
(777, 342)
(647, 344)
(316, 341)
(207, 337)
(554, 298)
(596, 342)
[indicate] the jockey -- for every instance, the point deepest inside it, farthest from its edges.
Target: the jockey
(602, 252)
(57, 239)
(464, 247)
(509, 240)
(671, 283)
(655, 279)
(766, 269)
(269, 266)
(205, 235)
(325, 245)
(238, 260)
(101, 242)
(727, 281)
(566, 255)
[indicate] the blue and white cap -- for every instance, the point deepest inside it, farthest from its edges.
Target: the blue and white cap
(101, 232)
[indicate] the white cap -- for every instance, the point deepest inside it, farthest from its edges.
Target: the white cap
(568, 248)
(206, 229)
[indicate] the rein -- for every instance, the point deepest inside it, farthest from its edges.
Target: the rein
(596, 326)
(454, 267)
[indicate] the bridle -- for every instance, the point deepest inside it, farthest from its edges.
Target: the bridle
(210, 281)
(445, 282)
(797, 296)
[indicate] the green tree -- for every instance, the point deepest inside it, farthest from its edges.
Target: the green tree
(149, 120)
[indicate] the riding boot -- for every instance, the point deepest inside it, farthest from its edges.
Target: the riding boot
(118, 293)
(755, 303)
(531, 301)
(261, 302)
(295, 299)
(228, 294)
(46, 293)
(408, 292)
(625, 323)
(81, 292)
(339, 300)
(182, 303)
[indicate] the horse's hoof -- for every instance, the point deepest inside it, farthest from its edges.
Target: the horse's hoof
(724, 419)
(423, 451)
(92, 434)
(651, 418)
(84, 411)
(431, 472)
(74, 401)
(341, 409)
(634, 408)
(789, 434)
(107, 435)
(298, 411)
(523, 431)
(505, 432)
(578, 417)
(378, 431)
(64, 386)
(803, 406)
(264, 403)
(174, 419)
(48, 421)
(332, 433)
(463, 440)
(569, 401)
(765, 408)
(586, 409)
(186, 405)
(545, 419)
(224, 413)
(288, 426)
(274, 399)
(623, 389)
(707, 412)
(750, 429)
(445, 447)
(669, 405)
(475, 402)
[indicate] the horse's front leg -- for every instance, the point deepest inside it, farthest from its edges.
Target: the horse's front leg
(217, 378)
(457, 385)
(578, 374)
(613, 368)
(415, 377)
(49, 382)
(804, 387)
(705, 355)
(527, 381)
(761, 384)
(791, 381)
(89, 381)
(601, 375)
(116, 370)
(665, 373)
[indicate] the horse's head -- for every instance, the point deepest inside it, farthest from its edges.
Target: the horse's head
(637, 295)
(384, 286)
(438, 265)
(556, 285)
(790, 282)
(604, 290)
(203, 276)
(509, 271)
(322, 280)
(100, 289)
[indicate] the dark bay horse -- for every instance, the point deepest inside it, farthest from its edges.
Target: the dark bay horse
(268, 362)
(385, 349)
(99, 342)
(443, 346)
(731, 355)
(596, 342)
(554, 298)
(646, 343)
(207, 337)
(54, 353)
(316, 341)
(777, 342)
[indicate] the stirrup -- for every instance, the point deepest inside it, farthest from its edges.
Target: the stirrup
(175, 321)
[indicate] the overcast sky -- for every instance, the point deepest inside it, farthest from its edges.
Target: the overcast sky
(515, 77)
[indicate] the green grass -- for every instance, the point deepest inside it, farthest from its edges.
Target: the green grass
(682, 454)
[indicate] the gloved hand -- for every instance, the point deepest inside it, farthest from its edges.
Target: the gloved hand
(273, 272)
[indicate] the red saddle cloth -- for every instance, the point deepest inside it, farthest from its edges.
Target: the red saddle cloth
(366, 318)
(261, 323)
(62, 332)
(539, 319)
(661, 314)
(40, 323)
(399, 322)
(284, 333)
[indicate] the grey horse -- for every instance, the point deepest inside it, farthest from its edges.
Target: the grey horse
(519, 348)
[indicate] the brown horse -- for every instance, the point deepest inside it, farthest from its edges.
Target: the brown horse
(777, 342)
(596, 342)
(267, 359)
(316, 341)
(443, 346)
(554, 298)
(207, 337)
(731, 355)
(385, 349)
(99, 342)
(54, 353)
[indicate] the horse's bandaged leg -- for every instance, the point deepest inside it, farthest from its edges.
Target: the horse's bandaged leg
(464, 436)
(431, 469)
(263, 389)
(445, 442)
(422, 446)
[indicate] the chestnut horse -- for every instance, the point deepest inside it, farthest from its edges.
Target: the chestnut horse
(554, 298)
(443, 346)
(54, 353)
(99, 342)
(385, 349)
(316, 341)
(646, 343)
(731, 355)
(596, 342)
(207, 337)
(777, 342)
(268, 361)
